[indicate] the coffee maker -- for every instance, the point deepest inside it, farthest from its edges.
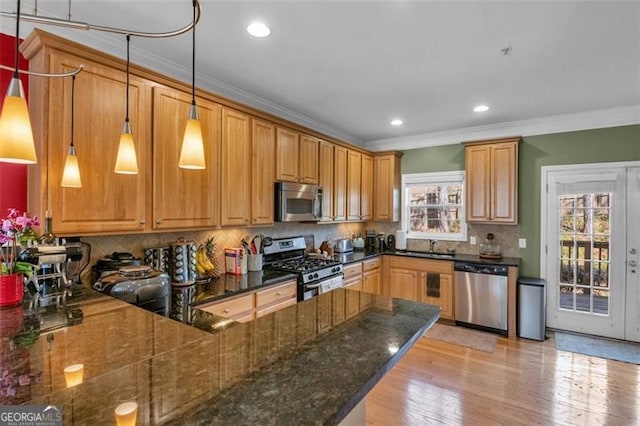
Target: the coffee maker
(370, 241)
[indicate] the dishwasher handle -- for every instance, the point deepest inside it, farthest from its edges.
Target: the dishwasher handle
(481, 268)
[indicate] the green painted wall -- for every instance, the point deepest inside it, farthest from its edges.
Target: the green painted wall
(588, 146)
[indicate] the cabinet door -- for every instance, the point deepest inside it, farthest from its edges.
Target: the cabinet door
(288, 155)
(263, 160)
(107, 202)
(340, 183)
(352, 298)
(183, 198)
(354, 167)
(442, 297)
(403, 283)
(478, 163)
(366, 188)
(386, 187)
(308, 167)
(371, 281)
(325, 179)
(504, 183)
(235, 180)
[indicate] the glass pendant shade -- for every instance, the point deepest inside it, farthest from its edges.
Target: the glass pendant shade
(16, 137)
(71, 172)
(192, 153)
(126, 160)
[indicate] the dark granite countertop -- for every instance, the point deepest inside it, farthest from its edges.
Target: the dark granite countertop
(228, 285)
(305, 364)
(357, 256)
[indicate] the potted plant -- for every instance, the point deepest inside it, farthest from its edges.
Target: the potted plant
(14, 227)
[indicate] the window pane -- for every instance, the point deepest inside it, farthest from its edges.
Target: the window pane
(566, 297)
(601, 221)
(601, 302)
(583, 299)
(601, 274)
(567, 271)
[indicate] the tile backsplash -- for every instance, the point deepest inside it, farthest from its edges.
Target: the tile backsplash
(505, 235)
(136, 243)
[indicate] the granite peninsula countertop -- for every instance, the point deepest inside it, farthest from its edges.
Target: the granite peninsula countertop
(305, 364)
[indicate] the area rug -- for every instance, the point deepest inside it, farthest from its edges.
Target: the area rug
(460, 336)
(598, 347)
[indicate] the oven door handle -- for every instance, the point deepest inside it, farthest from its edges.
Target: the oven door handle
(309, 287)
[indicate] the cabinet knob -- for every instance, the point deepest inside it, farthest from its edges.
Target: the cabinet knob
(159, 221)
(246, 220)
(142, 222)
(226, 311)
(278, 294)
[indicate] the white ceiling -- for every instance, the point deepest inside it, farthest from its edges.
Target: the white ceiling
(347, 68)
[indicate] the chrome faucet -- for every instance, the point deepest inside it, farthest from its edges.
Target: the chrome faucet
(432, 244)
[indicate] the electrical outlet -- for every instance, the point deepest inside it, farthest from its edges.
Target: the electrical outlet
(522, 243)
(472, 240)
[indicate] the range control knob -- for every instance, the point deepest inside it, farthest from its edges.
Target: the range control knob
(310, 277)
(315, 275)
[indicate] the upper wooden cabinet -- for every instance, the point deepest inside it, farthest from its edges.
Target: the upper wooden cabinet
(263, 167)
(297, 157)
(340, 183)
(107, 202)
(492, 180)
(354, 178)
(235, 163)
(184, 198)
(386, 186)
(325, 179)
(366, 188)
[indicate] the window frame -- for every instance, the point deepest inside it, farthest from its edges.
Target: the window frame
(456, 177)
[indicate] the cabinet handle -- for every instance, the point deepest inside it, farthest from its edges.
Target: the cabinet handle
(226, 311)
(159, 221)
(142, 222)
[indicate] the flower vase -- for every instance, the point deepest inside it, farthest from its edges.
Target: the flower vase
(11, 290)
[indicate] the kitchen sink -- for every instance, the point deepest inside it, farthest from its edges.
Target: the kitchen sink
(425, 254)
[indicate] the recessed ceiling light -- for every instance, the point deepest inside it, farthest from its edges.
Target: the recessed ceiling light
(258, 29)
(396, 122)
(481, 108)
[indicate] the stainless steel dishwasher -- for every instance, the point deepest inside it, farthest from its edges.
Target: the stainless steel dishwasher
(481, 296)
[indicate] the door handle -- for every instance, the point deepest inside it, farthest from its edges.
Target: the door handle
(632, 251)
(633, 263)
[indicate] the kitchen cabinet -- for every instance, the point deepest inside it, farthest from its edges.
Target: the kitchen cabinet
(325, 179)
(235, 163)
(263, 165)
(366, 188)
(275, 298)
(354, 178)
(423, 280)
(386, 186)
(107, 202)
(340, 184)
(297, 157)
(371, 275)
(184, 198)
(237, 308)
(492, 181)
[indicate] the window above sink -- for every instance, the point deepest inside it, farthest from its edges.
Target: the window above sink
(433, 206)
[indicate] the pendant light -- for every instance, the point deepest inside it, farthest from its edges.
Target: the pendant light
(71, 172)
(126, 161)
(16, 136)
(192, 153)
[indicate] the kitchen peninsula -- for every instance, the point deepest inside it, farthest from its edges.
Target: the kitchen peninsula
(305, 364)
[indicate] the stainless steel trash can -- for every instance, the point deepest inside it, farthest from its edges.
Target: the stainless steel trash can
(532, 306)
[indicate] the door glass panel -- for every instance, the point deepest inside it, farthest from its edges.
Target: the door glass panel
(584, 229)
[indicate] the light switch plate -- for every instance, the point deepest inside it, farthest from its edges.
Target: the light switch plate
(522, 243)
(472, 241)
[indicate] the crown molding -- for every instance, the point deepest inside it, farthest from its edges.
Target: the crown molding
(612, 117)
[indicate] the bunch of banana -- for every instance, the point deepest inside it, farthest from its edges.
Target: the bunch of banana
(204, 266)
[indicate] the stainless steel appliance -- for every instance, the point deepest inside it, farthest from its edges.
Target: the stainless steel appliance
(344, 245)
(140, 286)
(316, 275)
(481, 296)
(297, 203)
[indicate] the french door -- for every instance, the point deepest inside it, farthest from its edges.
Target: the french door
(590, 244)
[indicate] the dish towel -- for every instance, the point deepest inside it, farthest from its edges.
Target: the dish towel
(433, 284)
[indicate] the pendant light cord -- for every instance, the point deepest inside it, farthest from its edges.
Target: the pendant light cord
(128, 41)
(193, 55)
(73, 97)
(16, 74)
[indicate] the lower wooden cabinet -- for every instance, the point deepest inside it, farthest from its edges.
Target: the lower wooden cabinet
(422, 280)
(238, 308)
(352, 298)
(275, 298)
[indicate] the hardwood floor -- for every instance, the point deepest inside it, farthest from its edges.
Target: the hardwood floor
(522, 382)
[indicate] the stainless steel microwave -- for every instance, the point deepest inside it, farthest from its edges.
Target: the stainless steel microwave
(297, 203)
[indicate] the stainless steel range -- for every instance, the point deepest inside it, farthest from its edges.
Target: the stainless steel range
(315, 275)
